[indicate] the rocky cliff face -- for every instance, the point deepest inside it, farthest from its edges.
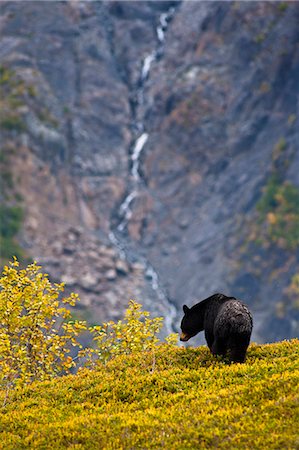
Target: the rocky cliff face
(150, 131)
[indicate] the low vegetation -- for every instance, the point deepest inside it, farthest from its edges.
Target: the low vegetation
(11, 211)
(279, 211)
(13, 93)
(136, 333)
(13, 90)
(187, 400)
(10, 223)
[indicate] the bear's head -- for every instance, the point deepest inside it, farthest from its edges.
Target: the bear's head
(192, 323)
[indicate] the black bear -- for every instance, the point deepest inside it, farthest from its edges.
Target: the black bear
(226, 321)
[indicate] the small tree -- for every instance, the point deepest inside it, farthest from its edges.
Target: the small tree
(136, 333)
(36, 334)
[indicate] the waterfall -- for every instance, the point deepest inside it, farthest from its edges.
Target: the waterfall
(169, 318)
(137, 146)
(124, 210)
(147, 65)
(113, 239)
(163, 24)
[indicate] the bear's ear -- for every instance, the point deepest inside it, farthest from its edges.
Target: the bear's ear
(185, 309)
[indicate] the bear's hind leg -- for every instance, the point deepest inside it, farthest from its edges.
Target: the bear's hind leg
(237, 355)
(238, 347)
(219, 347)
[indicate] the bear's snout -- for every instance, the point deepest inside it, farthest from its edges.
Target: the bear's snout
(184, 337)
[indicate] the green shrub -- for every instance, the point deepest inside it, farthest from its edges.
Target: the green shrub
(10, 223)
(282, 6)
(9, 248)
(10, 220)
(13, 93)
(293, 290)
(268, 200)
(12, 122)
(6, 75)
(279, 211)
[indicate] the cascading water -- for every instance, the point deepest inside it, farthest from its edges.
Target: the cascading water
(152, 275)
(125, 212)
(147, 65)
(136, 182)
(139, 143)
(164, 20)
(138, 147)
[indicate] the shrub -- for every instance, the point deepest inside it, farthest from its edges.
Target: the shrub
(279, 210)
(12, 122)
(10, 223)
(136, 333)
(293, 290)
(11, 219)
(8, 248)
(35, 337)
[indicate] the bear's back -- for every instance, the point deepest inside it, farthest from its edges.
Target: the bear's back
(233, 316)
(212, 307)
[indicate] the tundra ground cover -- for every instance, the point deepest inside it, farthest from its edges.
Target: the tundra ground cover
(186, 399)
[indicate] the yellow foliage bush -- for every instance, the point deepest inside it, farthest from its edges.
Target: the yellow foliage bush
(35, 333)
(136, 332)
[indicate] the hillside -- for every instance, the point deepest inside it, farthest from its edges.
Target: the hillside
(148, 150)
(182, 399)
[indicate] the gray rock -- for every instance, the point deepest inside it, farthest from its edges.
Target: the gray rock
(121, 267)
(110, 275)
(89, 280)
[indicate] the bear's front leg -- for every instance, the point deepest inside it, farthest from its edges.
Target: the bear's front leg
(209, 338)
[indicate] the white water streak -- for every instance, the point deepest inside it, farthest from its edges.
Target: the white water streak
(160, 34)
(146, 66)
(138, 147)
(163, 24)
(162, 27)
(170, 315)
(124, 206)
(113, 239)
(125, 211)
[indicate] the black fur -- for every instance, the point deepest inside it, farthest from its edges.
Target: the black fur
(227, 324)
